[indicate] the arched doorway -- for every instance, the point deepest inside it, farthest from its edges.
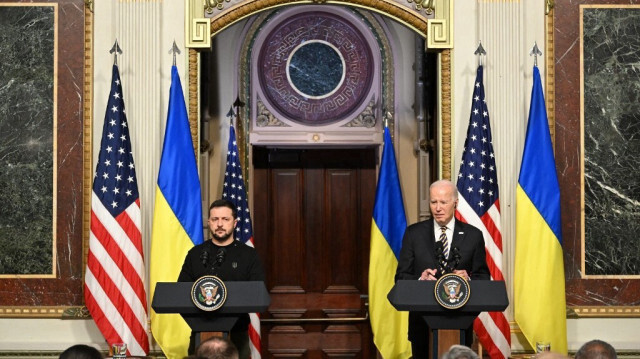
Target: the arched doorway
(312, 154)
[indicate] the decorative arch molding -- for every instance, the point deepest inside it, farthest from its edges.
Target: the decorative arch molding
(435, 24)
(433, 19)
(262, 119)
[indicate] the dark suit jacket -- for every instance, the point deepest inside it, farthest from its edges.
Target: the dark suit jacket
(418, 253)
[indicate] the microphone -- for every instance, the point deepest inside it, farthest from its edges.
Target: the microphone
(204, 257)
(441, 260)
(454, 257)
(439, 249)
(220, 256)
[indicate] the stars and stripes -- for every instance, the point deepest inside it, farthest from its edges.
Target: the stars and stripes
(114, 280)
(234, 191)
(479, 205)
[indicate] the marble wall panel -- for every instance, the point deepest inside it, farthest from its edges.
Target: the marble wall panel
(26, 139)
(42, 153)
(611, 82)
(583, 290)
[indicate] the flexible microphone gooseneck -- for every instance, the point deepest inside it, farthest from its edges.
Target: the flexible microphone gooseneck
(441, 260)
(220, 256)
(454, 257)
(204, 257)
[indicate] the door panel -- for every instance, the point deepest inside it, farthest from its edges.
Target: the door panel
(313, 219)
(286, 188)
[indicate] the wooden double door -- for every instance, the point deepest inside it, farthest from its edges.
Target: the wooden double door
(312, 223)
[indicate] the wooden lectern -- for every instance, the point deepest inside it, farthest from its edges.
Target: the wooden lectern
(242, 298)
(448, 325)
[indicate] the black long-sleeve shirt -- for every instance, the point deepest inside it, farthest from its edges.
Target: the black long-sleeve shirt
(241, 263)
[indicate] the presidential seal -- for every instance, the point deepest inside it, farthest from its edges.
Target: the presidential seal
(208, 293)
(452, 291)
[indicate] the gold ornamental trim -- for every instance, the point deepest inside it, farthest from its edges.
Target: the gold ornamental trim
(65, 312)
(87, 173)
(447, 132)
(440, 29)
(194, 99)
(603, 312)
(87, 136)
(550, 78)
(197, 34)
(437, 29)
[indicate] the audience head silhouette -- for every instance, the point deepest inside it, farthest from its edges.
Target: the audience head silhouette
(550, 355)
(459, 352)
(217, 348)
(81, 351)
(596, 349)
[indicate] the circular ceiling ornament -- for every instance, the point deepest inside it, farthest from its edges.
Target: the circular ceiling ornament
(315, 68)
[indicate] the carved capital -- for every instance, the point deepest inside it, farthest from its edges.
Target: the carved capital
(440, 28)
(197, 26)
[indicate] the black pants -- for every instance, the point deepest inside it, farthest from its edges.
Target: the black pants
(420, 347)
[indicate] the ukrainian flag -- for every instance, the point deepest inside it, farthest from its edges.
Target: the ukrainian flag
(177, 218)
(540, 305)
(389, 326)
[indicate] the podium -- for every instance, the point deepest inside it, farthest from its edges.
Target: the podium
(447, 325)
(242, 298)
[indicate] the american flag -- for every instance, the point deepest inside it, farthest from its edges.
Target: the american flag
(114, 280)
(234, 191)
(479, 205)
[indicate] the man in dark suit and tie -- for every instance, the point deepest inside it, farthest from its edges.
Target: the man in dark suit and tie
(445, 237)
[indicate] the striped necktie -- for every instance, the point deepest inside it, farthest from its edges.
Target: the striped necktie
(445, 241)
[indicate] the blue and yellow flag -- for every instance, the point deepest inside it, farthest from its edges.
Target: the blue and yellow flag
(177, 218)
(539, 298)
(389, 326)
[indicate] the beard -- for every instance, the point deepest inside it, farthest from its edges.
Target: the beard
(223, 237)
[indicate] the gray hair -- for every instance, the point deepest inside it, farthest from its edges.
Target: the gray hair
(460, 352)
(444, 182)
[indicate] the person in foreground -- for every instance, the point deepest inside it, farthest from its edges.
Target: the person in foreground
(550, 355)
(441, 238)
(460, 352)
(81, 351)
(227, 259)
(596, 349)
(217, 348)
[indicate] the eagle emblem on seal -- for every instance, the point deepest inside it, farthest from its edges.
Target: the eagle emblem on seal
(452, 291)
(208, 293)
